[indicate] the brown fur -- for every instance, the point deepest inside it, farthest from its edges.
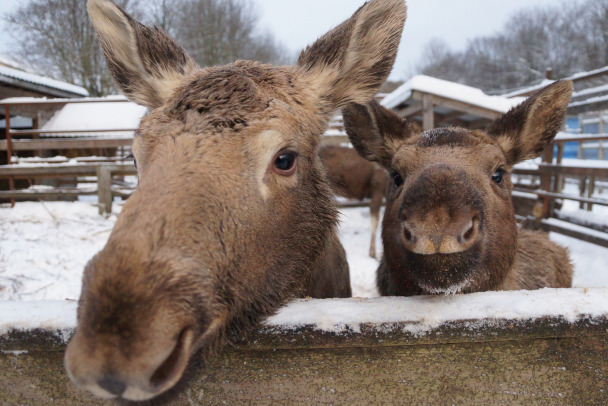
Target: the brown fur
(216, 237)
(449, 226)
(353, 177)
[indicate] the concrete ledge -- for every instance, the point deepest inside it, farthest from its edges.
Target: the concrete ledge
(365, 351)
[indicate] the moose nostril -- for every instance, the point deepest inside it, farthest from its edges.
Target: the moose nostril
(172, 367)
(471, 231)
(113, 385)
(409, 237)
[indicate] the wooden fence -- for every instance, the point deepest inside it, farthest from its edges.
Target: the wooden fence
(543, 360)
(552, 174)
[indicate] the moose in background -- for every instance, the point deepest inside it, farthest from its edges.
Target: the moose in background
(353, 177)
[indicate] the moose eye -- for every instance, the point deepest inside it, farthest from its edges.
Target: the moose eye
(397, 179)
(285, 163)
(131, 156)
(497, 176)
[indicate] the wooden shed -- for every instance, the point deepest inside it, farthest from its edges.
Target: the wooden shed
(438, 103)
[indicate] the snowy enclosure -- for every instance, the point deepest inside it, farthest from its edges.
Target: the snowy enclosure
(44, 248)
(506, 346)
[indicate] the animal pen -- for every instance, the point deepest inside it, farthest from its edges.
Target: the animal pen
(543, 347)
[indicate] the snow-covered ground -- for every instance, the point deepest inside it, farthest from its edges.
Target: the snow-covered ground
(44, 247)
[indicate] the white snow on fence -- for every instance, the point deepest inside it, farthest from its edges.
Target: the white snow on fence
(417, 315)
(58, 316)
(421, 314)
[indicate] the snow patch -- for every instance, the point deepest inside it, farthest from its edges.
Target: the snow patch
(16, 353)
(56, 316)
(418, 315)
(421, 314)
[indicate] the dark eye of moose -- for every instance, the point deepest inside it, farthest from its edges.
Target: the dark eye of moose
(497, 176)
(397, 179)
(285, 163)
(131, 156)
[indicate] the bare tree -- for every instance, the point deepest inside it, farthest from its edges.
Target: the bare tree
(164, 14)
(56, 38)
(568, 37)
(217, 32)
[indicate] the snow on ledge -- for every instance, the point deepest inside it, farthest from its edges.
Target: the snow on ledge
(58, 316)
(421, 314)
(417, 315)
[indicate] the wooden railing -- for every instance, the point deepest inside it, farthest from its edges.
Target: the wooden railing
(104, 172)
(581, 140)
(559, 358)
(78, 139)
(553, 176)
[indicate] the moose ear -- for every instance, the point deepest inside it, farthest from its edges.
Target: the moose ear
(375, 131)
(145, 62)
(526, 130)
(350, 63)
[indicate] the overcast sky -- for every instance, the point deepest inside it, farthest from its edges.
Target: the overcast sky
(298, 22)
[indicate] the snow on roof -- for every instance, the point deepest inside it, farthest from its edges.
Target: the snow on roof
(42, 81)
(592, 100)
(11, 63)
(546, 82)
(99, 115)
(46, 100)
(417, 315)
(449, 90)
(526, 90)
(581, 75)
(591, 90)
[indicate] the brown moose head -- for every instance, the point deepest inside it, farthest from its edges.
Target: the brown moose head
(449, 224)
(232, 212)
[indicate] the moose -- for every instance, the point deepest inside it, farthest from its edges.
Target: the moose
(233, 214)
(449, 224)
(353, 177)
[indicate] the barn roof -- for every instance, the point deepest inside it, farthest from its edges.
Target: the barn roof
(105, 114)
(589, 82)
(449, 90)
(32, 81)
(452, 103)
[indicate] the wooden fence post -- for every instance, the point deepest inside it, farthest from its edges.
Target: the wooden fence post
(428, 115)
(560, 179)
(590, 192)
(545, 183)
(9, 148)
(104, 189)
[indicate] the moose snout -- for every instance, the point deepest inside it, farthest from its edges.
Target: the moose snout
(110, 371)
(437, 233)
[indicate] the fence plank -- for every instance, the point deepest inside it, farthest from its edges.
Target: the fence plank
(552, 361)
(104, 189)
(63, 144)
